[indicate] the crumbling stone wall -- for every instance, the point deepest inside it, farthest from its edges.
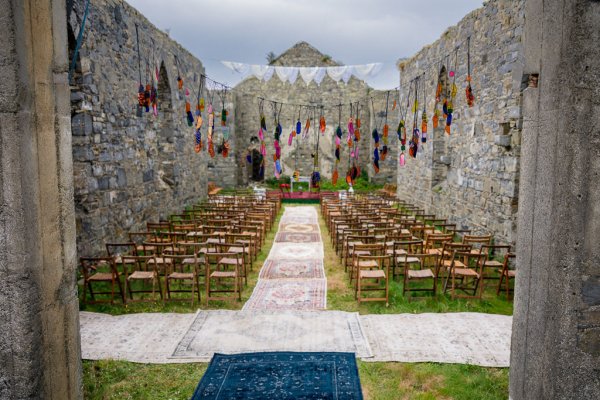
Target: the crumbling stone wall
(129, 169)
(472, 175)
(328, 93)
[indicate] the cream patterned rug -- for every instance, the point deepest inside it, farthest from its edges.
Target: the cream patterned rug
(288, 294)
(293, 269)
(232, 332)
(463, 338)
(144, 338)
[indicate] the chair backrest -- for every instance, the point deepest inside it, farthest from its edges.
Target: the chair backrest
(374, 249)
(495, 251)
(437, 240)
(469, 259)
(509, 262)
(477, 240)
(137, 263)
(158, 248)
(92, 265)
(407, 246)
(382, 261)
(117, 249)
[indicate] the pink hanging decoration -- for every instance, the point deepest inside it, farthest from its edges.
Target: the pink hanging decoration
(291, 138)
(210, 108)
(338, 141)
(187, 92)
(351, 127)
(261, 135)
(263, 149)
(402, 159)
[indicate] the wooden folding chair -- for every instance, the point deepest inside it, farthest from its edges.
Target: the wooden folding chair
(465, 275)
(138, 269)
(506, 274)
(419, 267)
(372, 274)
(97, 270)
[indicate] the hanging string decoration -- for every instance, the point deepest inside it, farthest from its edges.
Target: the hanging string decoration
(386, 129)
(211, 125)
(199, 121)
(315, 177)
(179, 78)
(424, 120)
(338, 142)
(141, 95)
(401, 131)
(225, 146)
(469, 89)
(453, 91)
(375, 135)
(413, 144)
(277, 135)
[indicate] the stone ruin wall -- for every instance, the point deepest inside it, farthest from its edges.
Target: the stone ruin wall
(328, 93)
(127, 169)
(223, 170)
(472, 176)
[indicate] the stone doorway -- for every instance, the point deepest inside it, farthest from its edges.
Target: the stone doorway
(257, 160)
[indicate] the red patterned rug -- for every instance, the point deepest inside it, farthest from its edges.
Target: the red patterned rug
(282, 269)
(297, 237)
(299, 228)
(288, 294)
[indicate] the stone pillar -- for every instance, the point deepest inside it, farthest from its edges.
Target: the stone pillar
(39, 323)
(555, 350)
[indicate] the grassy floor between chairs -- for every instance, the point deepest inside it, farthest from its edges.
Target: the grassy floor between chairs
(124, 380)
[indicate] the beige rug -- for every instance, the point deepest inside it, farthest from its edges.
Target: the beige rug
(233, 332)
(144, 338)
(463, 338)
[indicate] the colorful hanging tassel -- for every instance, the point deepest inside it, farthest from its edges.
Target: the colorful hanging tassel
(249, 157)
(436, 118)
(261, 134)
(179, 83)
(351, 126)
(188, 113)
(334, 177)
(384, 151)
(224, 117)
(424, 127)
(322, 124)
(402, 160)
(291, 137)
(298, 128)
(141, 96)
(469, 93)
(263, 122)
(263, 149)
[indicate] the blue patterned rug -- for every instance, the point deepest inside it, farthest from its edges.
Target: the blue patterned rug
(281, 375)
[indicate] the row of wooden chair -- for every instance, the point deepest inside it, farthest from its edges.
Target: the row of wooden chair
(183, 251)
(378, 238)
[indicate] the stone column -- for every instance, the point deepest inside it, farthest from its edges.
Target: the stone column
(556, 330)
(39, 323)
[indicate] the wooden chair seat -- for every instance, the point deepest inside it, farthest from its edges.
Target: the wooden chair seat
(223, 274)
(368, 263)
(409, 260)
(511, 273)
(142, 275)
(465, 272)
(101, 277)
(160, 260)
(181, 275)
(373, 274)
(420, 273)
(492, 264)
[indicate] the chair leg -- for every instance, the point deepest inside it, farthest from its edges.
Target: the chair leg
(500, 283)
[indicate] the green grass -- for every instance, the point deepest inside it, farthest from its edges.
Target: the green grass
(108, 379)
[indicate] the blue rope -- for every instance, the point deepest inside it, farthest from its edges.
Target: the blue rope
(79, 39)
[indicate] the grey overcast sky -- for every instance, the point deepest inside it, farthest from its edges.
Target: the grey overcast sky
(350, 31)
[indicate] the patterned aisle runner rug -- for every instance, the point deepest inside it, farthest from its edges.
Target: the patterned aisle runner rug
(292, 276)
(234, 332)
(464, 338)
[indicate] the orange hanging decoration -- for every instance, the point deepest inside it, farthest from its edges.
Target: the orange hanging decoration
(435, 119)
(334, 177)
(357, 122)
